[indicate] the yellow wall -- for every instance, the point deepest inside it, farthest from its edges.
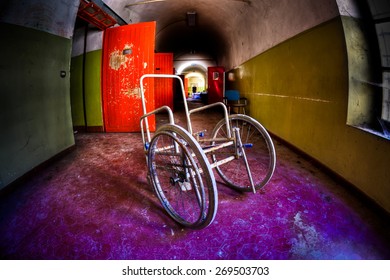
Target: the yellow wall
(92, 86)
(299, 91)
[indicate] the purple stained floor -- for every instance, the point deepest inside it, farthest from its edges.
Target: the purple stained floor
(95, 203)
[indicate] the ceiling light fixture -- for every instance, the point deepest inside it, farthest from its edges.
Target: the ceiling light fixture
(191, 19)
(143, 2)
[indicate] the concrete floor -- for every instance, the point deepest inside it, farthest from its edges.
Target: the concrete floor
(95, 203)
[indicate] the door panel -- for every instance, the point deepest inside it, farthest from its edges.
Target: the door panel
(163, 87)
(128, 53)
(215, 84)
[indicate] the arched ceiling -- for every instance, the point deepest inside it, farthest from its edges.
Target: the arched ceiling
(209, 34)
(228, 32)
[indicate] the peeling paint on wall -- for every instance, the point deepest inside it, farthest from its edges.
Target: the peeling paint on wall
(117, 60)
(121, 58)
(132, 92)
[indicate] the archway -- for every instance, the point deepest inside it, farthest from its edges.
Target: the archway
(196, 82)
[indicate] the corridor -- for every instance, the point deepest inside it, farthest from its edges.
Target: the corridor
(315, 74)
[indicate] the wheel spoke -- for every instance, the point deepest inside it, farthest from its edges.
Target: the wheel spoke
(181, 177)
(255, 158)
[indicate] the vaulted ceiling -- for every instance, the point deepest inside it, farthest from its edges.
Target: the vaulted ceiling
(230, 31)
(186, 26)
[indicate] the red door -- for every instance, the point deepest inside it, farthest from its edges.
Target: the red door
(215, 84)
(163, 87)
(128, 53)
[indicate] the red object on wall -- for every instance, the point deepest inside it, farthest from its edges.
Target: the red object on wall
(92, 13)
(216, 83)
(128, 53)
(185, 85)
(163, 87)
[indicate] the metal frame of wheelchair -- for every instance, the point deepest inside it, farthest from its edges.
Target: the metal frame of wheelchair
(180, 162)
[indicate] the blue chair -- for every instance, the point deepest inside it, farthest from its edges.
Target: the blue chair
(233, 100)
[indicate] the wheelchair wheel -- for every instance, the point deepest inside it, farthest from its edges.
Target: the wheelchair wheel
(182, 177)
(259, 151)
